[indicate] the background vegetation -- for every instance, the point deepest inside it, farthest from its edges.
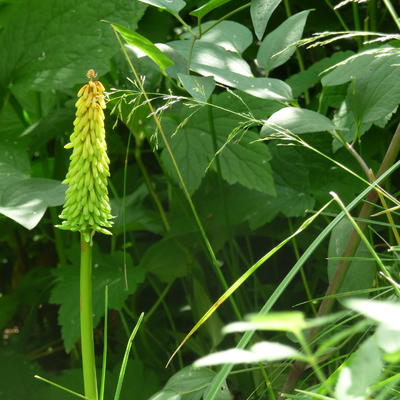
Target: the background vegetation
(198, 199)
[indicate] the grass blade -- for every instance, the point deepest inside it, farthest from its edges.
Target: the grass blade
(61, 387)
(226, 369)
(126, 356)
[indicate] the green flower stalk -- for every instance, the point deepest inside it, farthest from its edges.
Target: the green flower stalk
(87, 206)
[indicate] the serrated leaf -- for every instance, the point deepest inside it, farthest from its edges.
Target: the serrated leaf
(60, 41)
(145, 45)
(247, 163)
(292, 184)
(166, 259)
(173, 6)
(107, 270)
(261, 11)
(297, 120)
(360, 272)
(211, 5)
(199, 88)
(241, 161)
(279, 40)
(26, 200)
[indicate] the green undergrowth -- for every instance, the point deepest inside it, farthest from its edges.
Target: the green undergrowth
(254, 178)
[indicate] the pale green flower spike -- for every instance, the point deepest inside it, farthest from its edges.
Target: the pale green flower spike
(87, 206)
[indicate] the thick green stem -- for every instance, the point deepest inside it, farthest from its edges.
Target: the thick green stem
(86, 308)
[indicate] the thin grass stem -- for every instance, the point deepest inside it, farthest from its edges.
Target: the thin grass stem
(215, 263)
(126, 357)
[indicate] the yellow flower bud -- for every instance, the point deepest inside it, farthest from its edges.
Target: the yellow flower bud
(87, 208)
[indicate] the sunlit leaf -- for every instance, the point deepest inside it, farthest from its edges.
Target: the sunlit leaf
(261, 11)
(278, 41)
(208, 7)
(144, 44)
(296, 120)
(279, 321)
(380, 311)
(199, 88)
(173, 6)
(260, 352)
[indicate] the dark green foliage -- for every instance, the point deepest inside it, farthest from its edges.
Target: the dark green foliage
(239, 137)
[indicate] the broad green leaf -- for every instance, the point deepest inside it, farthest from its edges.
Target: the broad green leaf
(379, 311)
(173, 6)
(26, 200)
(60, 41)
(145, 45)
(208, 7)
(345, 122)
(354, 66)
(11, 125)
(180, 62)
(278, 41)
(137, 216)
(278, 321)
(17, 376)
(261, 11)
(296, 120)
(49, 127)
(210, 54)
(241, 161)
(230, 69)
(219, 213)
(247, 163)
(199, 88)
(14, 167)
(8, 308)
(200, 302)
(307, 79)
(292, 182)
(230, 35)
(263, 88)
(190, 384)
(260, 352)
(167, 259)
(388, 340)
(108, 269)
(361, 272)
(362, 370)
(374, 90)
(193, 149)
